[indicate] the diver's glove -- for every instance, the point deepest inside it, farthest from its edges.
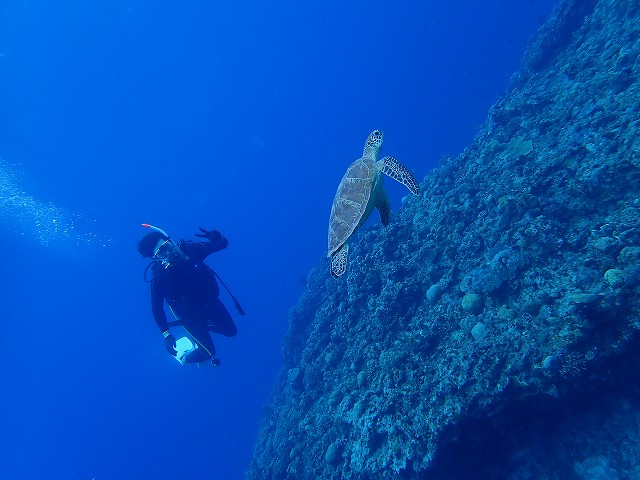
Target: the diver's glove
(170, 343)
(211, 235)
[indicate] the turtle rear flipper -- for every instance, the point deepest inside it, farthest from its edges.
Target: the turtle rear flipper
(339, 261)
(384, 207)
(394, 169)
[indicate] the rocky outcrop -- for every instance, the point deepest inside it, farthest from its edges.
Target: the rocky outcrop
(494, 326)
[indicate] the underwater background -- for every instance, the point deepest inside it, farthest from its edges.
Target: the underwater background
(240, 116)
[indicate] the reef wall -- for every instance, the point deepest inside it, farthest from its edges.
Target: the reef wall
(492, 330)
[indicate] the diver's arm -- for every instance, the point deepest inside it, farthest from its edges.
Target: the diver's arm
(202, 250)
(216, 244)
(157, 309)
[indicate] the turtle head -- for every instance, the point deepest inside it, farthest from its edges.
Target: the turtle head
(373, 144)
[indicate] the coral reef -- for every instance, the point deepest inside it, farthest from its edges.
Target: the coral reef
(492, 330)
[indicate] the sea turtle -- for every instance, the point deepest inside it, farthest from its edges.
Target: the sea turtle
(360, 191)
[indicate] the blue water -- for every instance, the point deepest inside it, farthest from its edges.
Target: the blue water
(236, 115)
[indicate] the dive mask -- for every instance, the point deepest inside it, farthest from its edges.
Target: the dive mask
(166, 250)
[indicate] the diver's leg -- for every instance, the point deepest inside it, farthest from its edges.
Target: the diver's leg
(200, 334)
(220, 321)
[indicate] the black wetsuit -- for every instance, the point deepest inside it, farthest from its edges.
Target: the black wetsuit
(191, 291)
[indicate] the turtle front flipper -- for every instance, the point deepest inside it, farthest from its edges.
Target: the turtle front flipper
(339, 261)
(394, 169)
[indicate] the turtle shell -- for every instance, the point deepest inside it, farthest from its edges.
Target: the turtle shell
(351, 205)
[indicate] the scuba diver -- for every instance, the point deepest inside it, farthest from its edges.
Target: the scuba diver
(182, 279)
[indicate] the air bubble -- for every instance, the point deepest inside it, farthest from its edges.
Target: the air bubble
(30, 217)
